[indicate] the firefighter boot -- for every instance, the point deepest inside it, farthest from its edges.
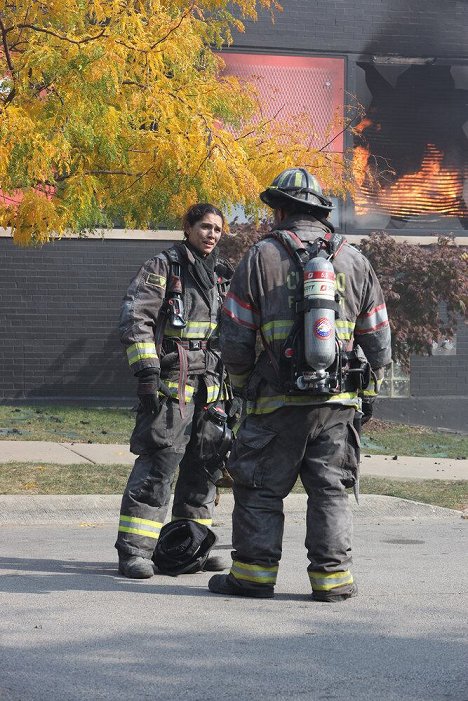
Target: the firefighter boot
(329, 597)
(135, 567)
(227, 584)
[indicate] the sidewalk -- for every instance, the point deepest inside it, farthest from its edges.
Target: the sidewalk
(396, 467)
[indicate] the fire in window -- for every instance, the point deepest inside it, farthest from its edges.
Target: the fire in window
(411, 147)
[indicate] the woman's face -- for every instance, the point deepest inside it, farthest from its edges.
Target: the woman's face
(205, 233)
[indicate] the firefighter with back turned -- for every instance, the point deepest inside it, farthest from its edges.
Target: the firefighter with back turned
(318, 307)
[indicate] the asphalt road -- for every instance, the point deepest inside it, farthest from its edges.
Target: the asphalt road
(72, 629)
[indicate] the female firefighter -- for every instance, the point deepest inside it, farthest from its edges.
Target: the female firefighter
(169, 326)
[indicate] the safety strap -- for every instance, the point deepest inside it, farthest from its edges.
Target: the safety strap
(175, 286)
(301, 252)
(194, 344)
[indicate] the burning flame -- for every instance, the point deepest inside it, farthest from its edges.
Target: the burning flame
(436, 188)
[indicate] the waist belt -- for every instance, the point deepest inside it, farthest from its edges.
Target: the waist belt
(181, 347)
(192, 344)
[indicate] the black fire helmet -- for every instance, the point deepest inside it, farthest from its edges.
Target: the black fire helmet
(183, 547)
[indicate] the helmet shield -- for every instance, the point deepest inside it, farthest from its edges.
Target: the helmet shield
(296, 185)
(183, 547)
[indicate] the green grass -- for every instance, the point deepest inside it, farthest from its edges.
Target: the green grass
(21, 478)
(65, 424)
(451, 494)
(94, 425)
(385, 438)
(41, 478)
(103, 425)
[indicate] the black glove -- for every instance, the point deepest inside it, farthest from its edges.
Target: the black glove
(367, 410)
(148, 391)
(234, 410)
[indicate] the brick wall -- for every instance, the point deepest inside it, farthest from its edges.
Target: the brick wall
(58, 317)
(59, 313)
(416, 28)
(442, 375)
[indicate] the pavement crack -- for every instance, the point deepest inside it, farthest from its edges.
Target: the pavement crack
(85, 457)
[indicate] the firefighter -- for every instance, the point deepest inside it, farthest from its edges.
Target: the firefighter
(293, 431)
(169, 326)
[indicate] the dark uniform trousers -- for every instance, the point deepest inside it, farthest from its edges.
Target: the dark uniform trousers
(321, 446)
(163, 443)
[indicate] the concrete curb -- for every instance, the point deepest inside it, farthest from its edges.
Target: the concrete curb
(88, 510)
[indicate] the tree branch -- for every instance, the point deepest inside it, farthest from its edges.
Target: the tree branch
(173, 29)
(35, 28)
(260, 125)
(5, 46)
(61, 178)
(6, 50)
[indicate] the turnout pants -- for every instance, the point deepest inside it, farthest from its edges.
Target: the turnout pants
(163, 443)
(321, 446)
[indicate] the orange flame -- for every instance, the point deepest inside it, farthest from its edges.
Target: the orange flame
(436, 188)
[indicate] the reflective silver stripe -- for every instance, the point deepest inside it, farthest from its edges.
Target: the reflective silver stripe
(373, 320)
(277, 330)
(325, 581)
(139, 526)
(195, 330)
(241, 312)
(344, 329)
(213, 393)
(259, 574)
(139, 351)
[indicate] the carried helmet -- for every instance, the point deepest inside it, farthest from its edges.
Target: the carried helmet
(183, 547)
(296, 185)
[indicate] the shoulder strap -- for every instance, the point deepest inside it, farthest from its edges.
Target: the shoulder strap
(334, 242)
(301, 252)
(174, 283)
(173, 298)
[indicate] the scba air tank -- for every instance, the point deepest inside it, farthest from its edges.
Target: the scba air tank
(319, 315)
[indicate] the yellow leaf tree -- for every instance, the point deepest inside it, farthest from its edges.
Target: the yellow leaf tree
(118, 110)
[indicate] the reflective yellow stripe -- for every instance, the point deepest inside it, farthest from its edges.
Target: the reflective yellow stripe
(138, 531)
(265, 405)
(203, 521)
(344, 329)
(343, 324)
(277, 330)
(139, 351)
(139, 526)
(259, 574)
(213, 393)
(368, 393)
(239, 380)
(195, 330)
(325, 581)
(142, 521)
(174, 389)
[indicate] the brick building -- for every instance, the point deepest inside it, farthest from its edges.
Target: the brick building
(407, 64)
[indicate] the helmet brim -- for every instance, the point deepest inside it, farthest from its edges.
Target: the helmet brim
(276, 198)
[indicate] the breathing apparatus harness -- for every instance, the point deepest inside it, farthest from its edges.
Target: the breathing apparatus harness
(313, 359)
(216, 436)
